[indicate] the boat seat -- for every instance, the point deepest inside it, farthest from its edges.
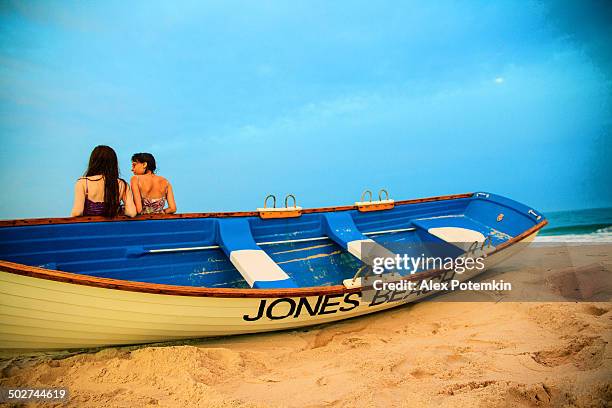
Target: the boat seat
(341, 228)
(457, 230)
(456, 234)
(257, 268)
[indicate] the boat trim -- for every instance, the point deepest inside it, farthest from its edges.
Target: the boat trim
(143, 217)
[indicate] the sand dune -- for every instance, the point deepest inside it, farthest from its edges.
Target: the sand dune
(435, 353)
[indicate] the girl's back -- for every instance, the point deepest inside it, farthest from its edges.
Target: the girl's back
(152, 186)
(100, 191)
(94, 187)
(150, 190)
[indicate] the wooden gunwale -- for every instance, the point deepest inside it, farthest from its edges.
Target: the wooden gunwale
(157, 288)
(144, 217)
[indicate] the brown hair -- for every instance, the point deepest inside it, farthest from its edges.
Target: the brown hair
(103, 161)
(145, 158)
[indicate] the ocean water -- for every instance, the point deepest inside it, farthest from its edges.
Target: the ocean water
(589, 225)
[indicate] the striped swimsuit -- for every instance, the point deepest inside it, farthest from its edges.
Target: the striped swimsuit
(152, 205)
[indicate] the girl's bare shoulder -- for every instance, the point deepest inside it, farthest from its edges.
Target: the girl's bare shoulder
(161, 179)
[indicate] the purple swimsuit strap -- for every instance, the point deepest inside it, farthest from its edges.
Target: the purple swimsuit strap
(92, 207)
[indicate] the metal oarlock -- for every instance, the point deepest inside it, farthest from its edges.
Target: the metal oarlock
(380, 194)
(485, 195)
(287, 198)
(488, 242)
(273, 212)
(483, 247)
(366, 206)
(266, 201)
(364, 193)
(472, 248)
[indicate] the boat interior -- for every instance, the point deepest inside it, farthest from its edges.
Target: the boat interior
(309, 250)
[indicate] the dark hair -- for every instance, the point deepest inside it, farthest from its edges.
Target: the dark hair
(145, 158)
(103, 161)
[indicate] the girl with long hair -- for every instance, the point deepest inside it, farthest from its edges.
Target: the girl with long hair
(100, 190)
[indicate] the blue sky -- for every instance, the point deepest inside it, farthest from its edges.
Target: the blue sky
(321, 99)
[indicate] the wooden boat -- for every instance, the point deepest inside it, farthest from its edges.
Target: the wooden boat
(89, 281)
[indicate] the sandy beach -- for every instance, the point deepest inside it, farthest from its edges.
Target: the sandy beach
(284, 176)
(492, 352)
